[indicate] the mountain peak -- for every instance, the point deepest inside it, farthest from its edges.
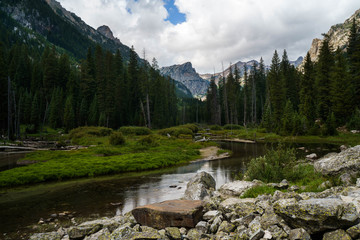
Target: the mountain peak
(106, 31)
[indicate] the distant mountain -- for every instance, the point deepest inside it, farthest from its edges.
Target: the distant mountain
(297, 62)
(58, 26)
(338, 35)
(186, 74)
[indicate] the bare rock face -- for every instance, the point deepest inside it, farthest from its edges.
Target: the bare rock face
(317, 215)
(345, 161)
(172, 213)
(200, 186)
(106, 31)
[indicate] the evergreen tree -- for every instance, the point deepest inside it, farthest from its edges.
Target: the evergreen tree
(353, 51)
(212, 100)
(35, 113)
(324, 68)
(93, 112)
(3, 91)
(69, 115)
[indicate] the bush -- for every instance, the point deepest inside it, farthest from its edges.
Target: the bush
(232, 127)
(215, 127)
(354, 122)
(193, 127)
(258, 190)
(116, 138)
(86, 131)
(149, 140)
(176, 131)
(135, 130)
(273, 167)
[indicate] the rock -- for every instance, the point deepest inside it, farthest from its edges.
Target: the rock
(122, 232)
(343, 147)
(105, 222)
(255, 225)
(148, 230)
(325, 185)
(358, 182)
(242, 207)
(244, 221)
(46, 236)
(336, 235)
(269, 218)
(345, 179)
(103, 234)
(236, 188)
(311, 156)
(173, 233)
(211, 214)
(284, 184)
(172, 213)
(257, 235)
(202, 226)
(345, 161)
(299, 234)
(226, 227)
(277, 232)
(81, 232)
(294, 188)
(193, 234)
(316, 215)
(215, 224)
(267, 235)
(144, 235)
(183, 231)
(200, 186)
(354, 231)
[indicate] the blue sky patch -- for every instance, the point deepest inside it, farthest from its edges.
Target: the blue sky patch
(175, 17)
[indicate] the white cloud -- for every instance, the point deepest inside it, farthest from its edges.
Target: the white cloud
(215, 30)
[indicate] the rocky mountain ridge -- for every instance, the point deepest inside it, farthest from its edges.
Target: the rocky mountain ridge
(338, 35)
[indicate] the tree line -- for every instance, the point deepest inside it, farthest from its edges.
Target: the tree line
(322, 96)
(50, 89)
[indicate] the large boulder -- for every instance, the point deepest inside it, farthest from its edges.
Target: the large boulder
(345, 161)
(200, 186)
(236, 188)
(172, 213)
(317, 215)
(241, 207)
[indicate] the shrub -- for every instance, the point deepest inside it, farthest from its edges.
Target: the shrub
(354, 122)
(215, 127)
(232, 127)
(273, 167)
(89, 130)
(130, 130)
(258, 190)
(193, 127)
(116, 138)
(176, 131)
(149, 140)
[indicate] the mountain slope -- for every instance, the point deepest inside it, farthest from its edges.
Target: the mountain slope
(59, 26)
(338, 34)
(186, 74)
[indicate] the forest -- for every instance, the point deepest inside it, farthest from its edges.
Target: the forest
(49, 88)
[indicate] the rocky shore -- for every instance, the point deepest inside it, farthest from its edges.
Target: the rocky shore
(206, 213)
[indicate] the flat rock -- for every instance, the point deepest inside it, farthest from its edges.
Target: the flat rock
(236, 188)
(317, 215)
(46, 236)
(347, 160)
(172, 213)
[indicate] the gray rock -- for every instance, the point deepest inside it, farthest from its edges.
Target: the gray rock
(103, 234)
(215, 225)
(325, 185)
(122, 232)
(345, 179)
(82, 231)
(343, 147)
(244, 221)
(254, 225)
(257, 235)
(299, 234)
(148, 229)
(277, 232)
(193, 234)
(105, 222)
(269, 218)
(236, 188)
(200, 186)
(173, 233)
(211, 214)
(316, 215)
(311, 156)
(183, 231)
(226, 227)
(242, 207)
(354, 231)
(336, 235)
(284, 184)
(202, 226)
(345, 161)
(46, 236)
(144, 235)
(294, 188)
(358, 182)
(267, 235)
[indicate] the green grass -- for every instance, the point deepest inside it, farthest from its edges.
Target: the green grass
(101, 160)
(258, 190)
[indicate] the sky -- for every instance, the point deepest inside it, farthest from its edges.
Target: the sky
(209, 32)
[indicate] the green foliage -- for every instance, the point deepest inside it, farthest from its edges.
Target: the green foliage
(232, 126)
(175, 131)
(193, 127)
(215, 127)
(82, 135)
(149, 140)
(116, 138)
(130, 130)
(329, 128)
(354, 122)
(258, 190)
(273, 167)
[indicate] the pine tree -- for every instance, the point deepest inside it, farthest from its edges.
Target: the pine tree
(3, 91)
(353, 51)
(93, 112)
(69, 115)
(307, 107)
(212, 100)
(323, 77)
(35, 113)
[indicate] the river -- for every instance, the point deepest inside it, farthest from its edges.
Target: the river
(118, 194)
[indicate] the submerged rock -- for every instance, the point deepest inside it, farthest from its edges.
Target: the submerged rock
(172, 213)
(200, 186)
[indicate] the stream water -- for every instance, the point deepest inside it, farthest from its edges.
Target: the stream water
(118, 194)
